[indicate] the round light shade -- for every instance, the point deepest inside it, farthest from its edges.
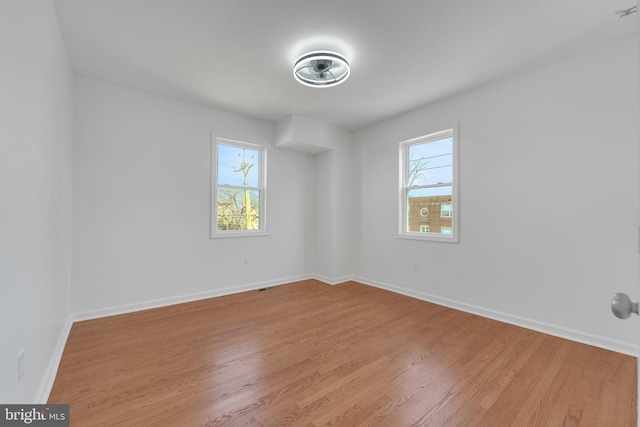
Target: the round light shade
(321, 69)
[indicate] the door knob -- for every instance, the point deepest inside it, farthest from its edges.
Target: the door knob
(622, 307)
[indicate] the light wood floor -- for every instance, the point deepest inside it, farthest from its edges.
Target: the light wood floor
(310, 354)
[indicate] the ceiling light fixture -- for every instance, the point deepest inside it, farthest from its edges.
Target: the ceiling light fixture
(321, 69)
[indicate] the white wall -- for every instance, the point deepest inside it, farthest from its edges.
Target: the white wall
(549, 199)
(36, 85)
(142, 204)
(334, 207)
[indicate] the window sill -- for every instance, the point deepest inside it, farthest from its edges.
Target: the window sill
(447, 238)
(233, 234)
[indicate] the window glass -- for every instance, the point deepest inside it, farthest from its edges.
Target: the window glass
(428, 186)
(238, 189)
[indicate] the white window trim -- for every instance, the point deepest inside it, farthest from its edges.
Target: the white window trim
(262, 165)
(432, 135)
(448, 210)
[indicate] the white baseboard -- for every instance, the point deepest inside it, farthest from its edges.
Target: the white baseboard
(163, 302)
(49, 377)
(558, 331)
(330, 281)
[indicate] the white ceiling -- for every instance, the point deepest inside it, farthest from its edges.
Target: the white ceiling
(237, 55)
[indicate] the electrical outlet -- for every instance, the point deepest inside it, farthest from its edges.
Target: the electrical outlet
(247, 261)
(20, 365)
(416, 265)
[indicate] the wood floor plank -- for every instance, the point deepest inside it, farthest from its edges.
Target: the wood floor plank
(309, 354)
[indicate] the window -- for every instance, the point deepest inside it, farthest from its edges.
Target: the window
(424, 228)
(428, 182)
(238, 190)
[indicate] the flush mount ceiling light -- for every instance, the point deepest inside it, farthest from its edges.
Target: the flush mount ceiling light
(321, 69)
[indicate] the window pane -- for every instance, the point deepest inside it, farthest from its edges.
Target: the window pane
(430, 162)
(233, 213)
(447, 190)
(429, 201)
(238, 166)
(429, 169)
(438, 175)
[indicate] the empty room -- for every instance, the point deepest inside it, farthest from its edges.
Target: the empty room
(341, 213)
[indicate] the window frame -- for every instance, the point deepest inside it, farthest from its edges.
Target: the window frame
(262, 189)
(430, 136)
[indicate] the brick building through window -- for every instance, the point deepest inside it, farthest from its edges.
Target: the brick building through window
(432, 214)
